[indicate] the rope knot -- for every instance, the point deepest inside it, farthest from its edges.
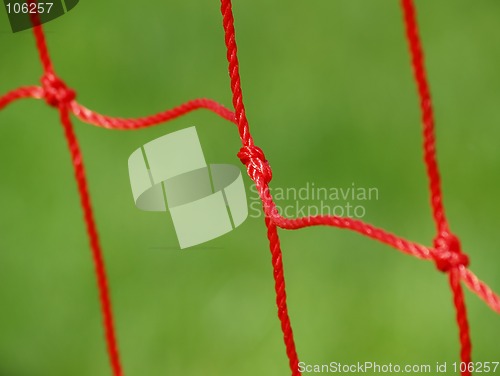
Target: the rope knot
(56, 92)
(257, 165)
(448, 253)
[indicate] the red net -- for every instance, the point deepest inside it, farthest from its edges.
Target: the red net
(445, 252)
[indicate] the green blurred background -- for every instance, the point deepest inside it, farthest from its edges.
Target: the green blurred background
(330, 98)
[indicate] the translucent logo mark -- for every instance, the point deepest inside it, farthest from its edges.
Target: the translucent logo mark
(20, 12)
(205, 201)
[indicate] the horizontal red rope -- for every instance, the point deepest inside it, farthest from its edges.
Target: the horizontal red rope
(94, 118)
(20, 93)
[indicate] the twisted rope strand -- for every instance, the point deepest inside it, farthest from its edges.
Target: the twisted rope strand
(461, 318)
(447, 254)
(109, 122)
(417, 54)
(260, 172)
(481, 289)
(20, 93)
(279, 285)
(234, 74)
(41, 43)
(97, 255)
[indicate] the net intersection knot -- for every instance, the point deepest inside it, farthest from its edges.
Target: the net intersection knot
(56, 92)
(448, 253)
(258, 167)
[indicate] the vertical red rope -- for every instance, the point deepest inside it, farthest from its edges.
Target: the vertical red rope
(449, 257)
(41, 44)
(461, 317)
(279, 285)
(234, 72)
(260, 172)
(42, 49)
(418, 65)
(100, 270)
(58, 95)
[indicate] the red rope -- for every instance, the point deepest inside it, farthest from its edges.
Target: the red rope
(279, 286)
(99, 120)
(450, 257)
(58, 95)
(417, 54)
(260, 172)
(446, 251)
(95, 246)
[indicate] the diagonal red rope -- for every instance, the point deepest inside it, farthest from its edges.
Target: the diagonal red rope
(446, 251)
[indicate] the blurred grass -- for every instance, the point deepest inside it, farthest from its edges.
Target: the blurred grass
(330, 98)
